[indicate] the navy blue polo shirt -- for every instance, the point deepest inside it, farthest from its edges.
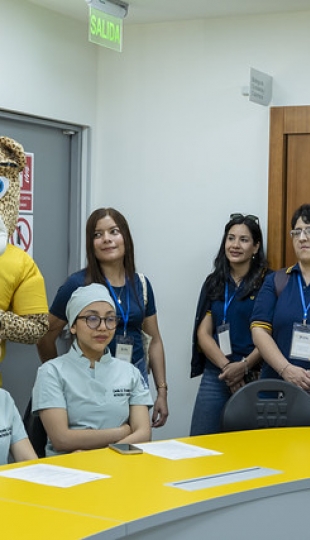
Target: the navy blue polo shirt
(238, 316)
(278, 314)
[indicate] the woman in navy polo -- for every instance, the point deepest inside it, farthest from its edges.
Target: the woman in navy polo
(223, 350)
(281, 318)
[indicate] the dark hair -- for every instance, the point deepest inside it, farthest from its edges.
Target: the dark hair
(304, 212)
(215, 282)
(94, 273)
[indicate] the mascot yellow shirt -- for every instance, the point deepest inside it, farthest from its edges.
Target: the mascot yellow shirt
(22, 287)
(21, 283)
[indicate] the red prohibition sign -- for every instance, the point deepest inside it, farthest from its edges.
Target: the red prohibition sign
(21, 238)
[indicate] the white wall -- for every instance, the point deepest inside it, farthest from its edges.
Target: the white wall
(181, 149)
(176, 147)
(48, 68)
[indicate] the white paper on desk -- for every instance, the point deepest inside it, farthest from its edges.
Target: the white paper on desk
(175, 450)
(52, 475)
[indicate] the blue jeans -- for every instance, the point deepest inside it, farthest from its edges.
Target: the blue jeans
(211, 398)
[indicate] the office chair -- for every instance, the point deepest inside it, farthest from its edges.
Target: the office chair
(35, 430)
(266, 403)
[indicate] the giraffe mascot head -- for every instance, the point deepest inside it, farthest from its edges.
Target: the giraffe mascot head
(23, 302)
(12, 162)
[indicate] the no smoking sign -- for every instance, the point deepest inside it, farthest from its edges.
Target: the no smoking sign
(23, 234)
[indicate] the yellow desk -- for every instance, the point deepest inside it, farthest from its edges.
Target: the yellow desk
(136, 502)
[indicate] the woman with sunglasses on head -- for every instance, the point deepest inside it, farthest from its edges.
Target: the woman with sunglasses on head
(86, 398)
(281, 317)
(223, 350)
(110, 261)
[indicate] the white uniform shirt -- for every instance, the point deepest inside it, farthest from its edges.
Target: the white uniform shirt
(94, 398)
(11, 425)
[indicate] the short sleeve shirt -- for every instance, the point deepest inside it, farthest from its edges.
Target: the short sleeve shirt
(278, 314)
(11, 425)
(22, 285)
(97, 398)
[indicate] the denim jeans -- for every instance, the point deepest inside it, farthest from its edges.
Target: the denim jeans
(211, 398)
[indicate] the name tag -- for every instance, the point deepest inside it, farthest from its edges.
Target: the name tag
(224, 339)
(124, 348)
(300, 347)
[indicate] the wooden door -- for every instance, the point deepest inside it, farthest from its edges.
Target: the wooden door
(289, 178)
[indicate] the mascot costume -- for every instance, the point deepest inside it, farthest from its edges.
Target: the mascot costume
(23, 302)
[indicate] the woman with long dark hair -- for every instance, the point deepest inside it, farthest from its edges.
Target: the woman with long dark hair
(223, 350)
(111, 262)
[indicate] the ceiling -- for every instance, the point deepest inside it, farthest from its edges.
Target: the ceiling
(154, 11)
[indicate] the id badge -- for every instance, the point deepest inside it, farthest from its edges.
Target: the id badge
(124, 348)
(224, 339)
(300, 347)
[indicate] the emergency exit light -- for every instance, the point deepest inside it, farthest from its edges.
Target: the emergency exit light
(106, 23)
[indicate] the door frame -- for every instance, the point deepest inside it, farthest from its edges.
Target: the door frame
(78, 180)
(284, 121)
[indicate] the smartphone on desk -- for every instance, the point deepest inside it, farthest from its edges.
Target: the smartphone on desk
(123, 448)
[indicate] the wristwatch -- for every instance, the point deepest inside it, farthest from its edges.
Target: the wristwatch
(162, 385)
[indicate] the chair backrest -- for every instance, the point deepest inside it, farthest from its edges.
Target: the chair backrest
(35, 430)
(266, 403)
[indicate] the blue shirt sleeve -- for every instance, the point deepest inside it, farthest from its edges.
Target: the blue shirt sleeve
(265, 303)
(58, 307)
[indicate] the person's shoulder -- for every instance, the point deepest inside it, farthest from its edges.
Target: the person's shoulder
(77, 277)
(16, 255)
(55, 364)
(139, 276)
(5, 396)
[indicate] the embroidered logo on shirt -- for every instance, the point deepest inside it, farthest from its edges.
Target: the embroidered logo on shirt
(6, 432)
(121, 392)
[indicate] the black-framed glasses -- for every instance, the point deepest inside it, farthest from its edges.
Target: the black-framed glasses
(296, 233)
(94, 321)
(243, 216)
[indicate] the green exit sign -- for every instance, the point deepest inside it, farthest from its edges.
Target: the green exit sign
(105, 30)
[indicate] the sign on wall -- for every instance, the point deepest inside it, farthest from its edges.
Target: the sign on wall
(260, 87)
(23, 234)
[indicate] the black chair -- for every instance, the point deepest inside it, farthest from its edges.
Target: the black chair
(35, 430)
(266, 403)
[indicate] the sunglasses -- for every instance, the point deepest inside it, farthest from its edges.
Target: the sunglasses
(248, 216)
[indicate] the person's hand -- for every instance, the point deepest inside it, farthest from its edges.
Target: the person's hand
(298, 376)
(236, 386)
(160, 410)
(233, 374)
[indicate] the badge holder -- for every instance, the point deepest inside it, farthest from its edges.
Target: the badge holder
(124, 348)
(300, 347)
(223, 334)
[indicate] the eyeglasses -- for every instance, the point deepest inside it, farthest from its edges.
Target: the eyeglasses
(296, 233)
(248, 216)
(94, 321)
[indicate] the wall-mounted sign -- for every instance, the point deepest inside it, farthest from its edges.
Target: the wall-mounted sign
(105, 30)
(260, 87)
(23, 234)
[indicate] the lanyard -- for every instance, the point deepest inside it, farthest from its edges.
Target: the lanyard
(227, 301)
(124, 314)
(302, 298)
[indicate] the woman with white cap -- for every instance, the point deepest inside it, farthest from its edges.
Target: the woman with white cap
(86, 398)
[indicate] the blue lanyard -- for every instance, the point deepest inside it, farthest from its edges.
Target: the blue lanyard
(124, 315)
(302, 298)
(227, 301)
